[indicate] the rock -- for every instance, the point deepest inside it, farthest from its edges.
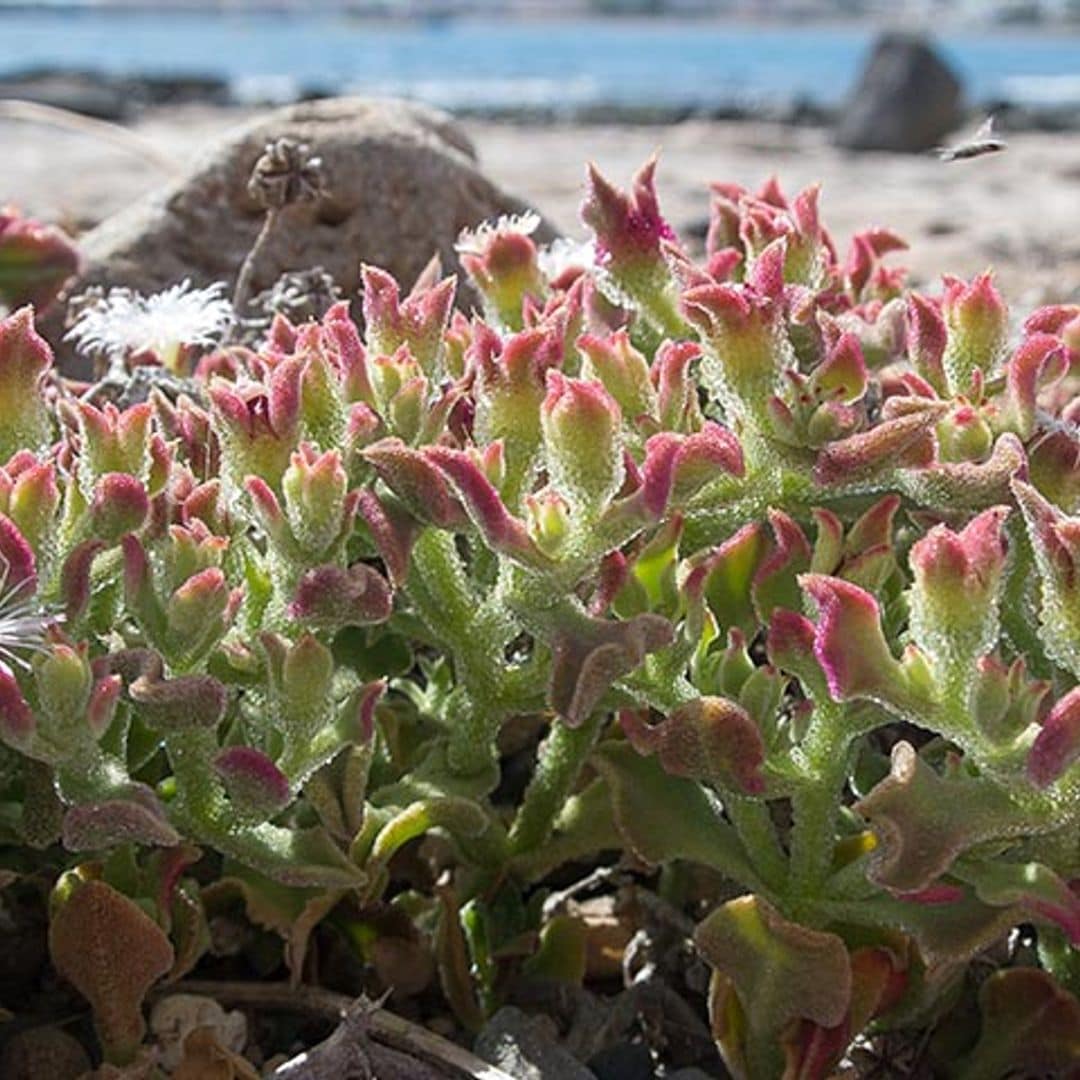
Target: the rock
(527, 1047)
(907, 99)
(175, 1017)
(43, 1053)
(111, 97)
(85, 92)
(180, 89)
(401, 183)
(623, 1061)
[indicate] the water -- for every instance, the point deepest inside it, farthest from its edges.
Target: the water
(567, 63)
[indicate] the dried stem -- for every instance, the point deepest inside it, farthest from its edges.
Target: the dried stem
(34, 112)
(242, 294)
(384, 1027)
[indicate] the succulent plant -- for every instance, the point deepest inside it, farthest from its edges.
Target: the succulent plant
(779, 554)
(35, 261)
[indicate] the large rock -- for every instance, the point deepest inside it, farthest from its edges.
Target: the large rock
(907, 99)
(110, 97)
(85, 92)
(401, 183)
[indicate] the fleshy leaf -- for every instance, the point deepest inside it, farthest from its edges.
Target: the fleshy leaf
(255, 784)
(1055, 540)
(884, 446)
(25, 357)
(677, 467)
(186, 701)
(725, 574)
(588, 655)
(1040, 359)
(1036, 888)
(500, 528)
(662, 817)
(1057, 746)
(135, 818)
(850, 645)
(581, 425)
(330, 597)
(113, 953)
(967, 485)
(35, 261)
(924, 821)
(780, 971)
(417, 481)
(709, 739)
(775, 578)
(461, 817)
(954, 600)
(790, 647)
(978, 324)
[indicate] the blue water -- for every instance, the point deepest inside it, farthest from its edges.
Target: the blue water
(569, 63)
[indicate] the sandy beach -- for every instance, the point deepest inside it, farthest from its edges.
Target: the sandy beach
(1017, 211)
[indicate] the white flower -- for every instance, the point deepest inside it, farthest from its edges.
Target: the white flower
(565, 254)
(476, 241)
(125, 322)
(23, 622)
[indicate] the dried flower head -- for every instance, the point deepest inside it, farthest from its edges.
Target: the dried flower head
(299, 295)
(124, 323)
(286, 173)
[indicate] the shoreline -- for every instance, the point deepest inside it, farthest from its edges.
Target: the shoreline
(528, 66)
(124, 99)
(1017, 211)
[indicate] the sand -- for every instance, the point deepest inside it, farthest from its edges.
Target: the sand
(1017, 211)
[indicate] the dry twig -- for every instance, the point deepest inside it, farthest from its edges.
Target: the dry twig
(34, 112)
(368, 1036)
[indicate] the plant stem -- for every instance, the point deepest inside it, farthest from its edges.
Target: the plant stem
(561, 757)
(473, 728)
(242, 293)
(754, 825)
(816, 801)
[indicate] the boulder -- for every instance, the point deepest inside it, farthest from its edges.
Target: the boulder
(907, 99)
(89, 93)
(401, 182)
(110, 97)
(190, 89)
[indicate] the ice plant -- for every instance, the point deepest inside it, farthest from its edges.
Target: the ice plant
(503, 262)
(765, 565)
(35, 261)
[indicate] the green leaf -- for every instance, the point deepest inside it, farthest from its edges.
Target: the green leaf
(781, 971)
(585, 826)
(295, 857)
(462, 818)
(663, 817)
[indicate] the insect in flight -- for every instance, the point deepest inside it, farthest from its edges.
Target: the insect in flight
(983, 141)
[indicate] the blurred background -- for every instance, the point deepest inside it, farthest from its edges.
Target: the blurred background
(854, 93)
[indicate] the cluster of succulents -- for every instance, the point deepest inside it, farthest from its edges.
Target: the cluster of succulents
(781, 558)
